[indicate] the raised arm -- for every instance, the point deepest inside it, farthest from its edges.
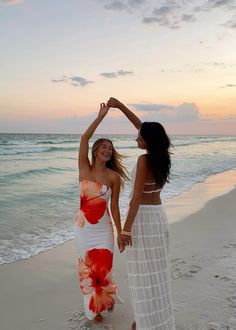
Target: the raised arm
(114, 103)
(83, 160)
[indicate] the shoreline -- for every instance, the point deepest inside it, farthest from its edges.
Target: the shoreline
(42, 292)
(213, 186)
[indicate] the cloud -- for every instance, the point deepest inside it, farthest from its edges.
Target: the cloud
(188, 18)
(200, 67)
(73, 80)
(79, 81)
(231, 23)
(147, 107)
(218, 64)
(136, 3)
(186, 112)
(108, 74)
(210, 5)
(59, 80)
(11, 2)
(165, 16)
(169, 13)
(115, 74)
(164, 10)
(116, 5)
(130, 5)
(221, 3)
(228, 86)
(119, 125)
(78, 124)
(221, 65)
(228, 5)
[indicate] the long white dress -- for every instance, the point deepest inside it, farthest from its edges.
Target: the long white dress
(149, 269)
(95, 242)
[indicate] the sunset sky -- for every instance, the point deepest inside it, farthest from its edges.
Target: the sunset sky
(170, 61)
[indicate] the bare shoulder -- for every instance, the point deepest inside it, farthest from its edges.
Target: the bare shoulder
(114, 177)
(143, 160)
(143, 166)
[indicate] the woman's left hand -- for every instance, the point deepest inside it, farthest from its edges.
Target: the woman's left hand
(126, 239)
(120, 243)
(103, 110)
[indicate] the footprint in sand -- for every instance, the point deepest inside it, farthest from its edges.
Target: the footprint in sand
(181, 269)
(221, 257)
(229, 246)
(232, 322)
(232, 301)
(225, 278)
(219, 326)
(194, 269)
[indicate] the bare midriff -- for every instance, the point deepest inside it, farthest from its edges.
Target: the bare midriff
(151, 199)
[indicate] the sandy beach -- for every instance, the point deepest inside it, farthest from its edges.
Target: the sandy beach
(42, 293)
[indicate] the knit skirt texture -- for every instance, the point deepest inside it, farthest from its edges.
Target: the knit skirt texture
(149, 270)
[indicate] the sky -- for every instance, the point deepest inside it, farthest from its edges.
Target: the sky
(172, 61)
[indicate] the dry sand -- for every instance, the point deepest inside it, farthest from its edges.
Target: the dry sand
(42, 293)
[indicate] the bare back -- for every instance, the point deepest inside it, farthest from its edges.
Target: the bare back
(150, 194)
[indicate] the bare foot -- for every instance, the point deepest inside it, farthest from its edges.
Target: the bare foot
(133, 327)
(98, 319)
(110, 309)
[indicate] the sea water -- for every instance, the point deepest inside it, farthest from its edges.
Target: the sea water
(39, 183)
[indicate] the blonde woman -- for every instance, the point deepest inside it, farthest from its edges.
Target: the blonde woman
(100, 181)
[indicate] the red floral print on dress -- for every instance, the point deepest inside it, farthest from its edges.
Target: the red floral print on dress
(92, 206)
(95, 279)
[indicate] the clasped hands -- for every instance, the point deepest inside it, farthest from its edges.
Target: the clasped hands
(124, 239)
(111, 103)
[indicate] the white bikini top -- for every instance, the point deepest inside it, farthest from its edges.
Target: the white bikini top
(133, 175)
(150, 191)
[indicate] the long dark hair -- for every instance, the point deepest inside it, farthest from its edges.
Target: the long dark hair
(115, 163)
(158, 145)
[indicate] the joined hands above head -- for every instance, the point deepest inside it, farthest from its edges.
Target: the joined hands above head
(114, 103)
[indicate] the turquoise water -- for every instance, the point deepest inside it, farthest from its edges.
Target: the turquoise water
(39, 183)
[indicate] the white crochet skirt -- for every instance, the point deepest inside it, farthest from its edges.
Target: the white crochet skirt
(149, 270)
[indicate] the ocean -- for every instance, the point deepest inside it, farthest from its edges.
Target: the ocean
(39, 193)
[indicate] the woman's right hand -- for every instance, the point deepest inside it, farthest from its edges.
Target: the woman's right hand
(114, 103)
(103, 110)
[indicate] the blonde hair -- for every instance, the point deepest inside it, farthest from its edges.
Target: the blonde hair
(115, 163)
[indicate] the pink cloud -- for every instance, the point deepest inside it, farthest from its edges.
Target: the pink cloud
(11, 2)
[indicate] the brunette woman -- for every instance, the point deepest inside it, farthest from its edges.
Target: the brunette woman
(145, 231)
